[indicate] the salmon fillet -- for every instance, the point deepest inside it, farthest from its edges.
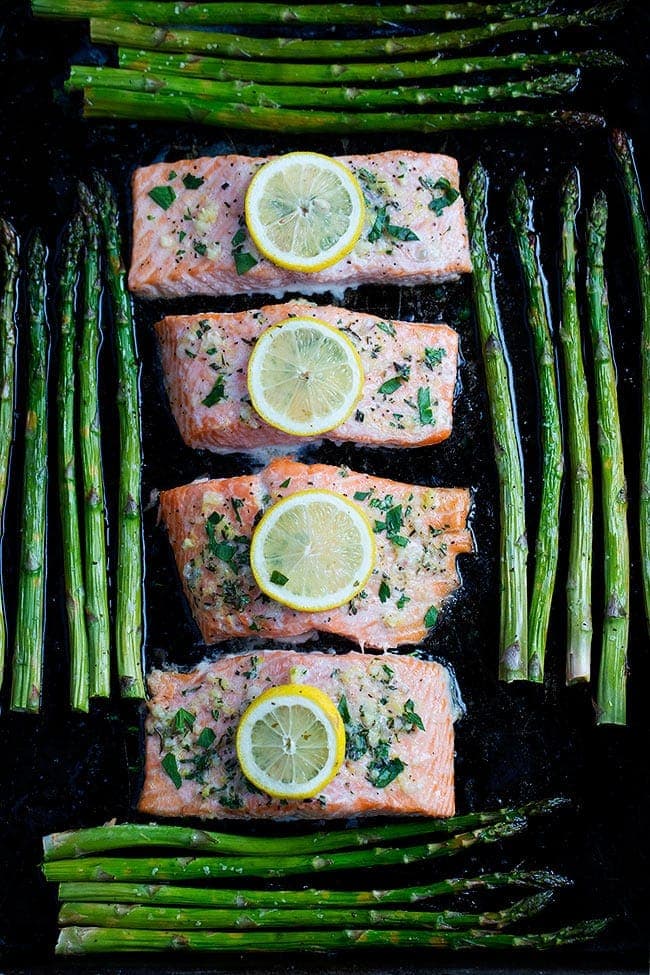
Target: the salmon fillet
(189, 232)
(202, 354)
(419, 533)
(380, 697)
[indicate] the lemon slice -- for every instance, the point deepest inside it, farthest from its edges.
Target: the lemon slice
(304, 376)
(304, 211)
(313, 550)
(291, 741)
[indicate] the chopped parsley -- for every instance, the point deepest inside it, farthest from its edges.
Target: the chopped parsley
(382, 225)
(360, 495)
(402, 601)
(164, 196)
(410, 717)
(391, 385)
(433, 357)
(443, 194)
(183, 720)
(171, 768)
(243, 260)
(356, 736)
(278, 579)
(424, 405)
(200, 248)
(430, 617)
(387, 327)
(383, 770)
(384, 591)
(206, 738)
(216, 394)
(191, 182)
(286, 483)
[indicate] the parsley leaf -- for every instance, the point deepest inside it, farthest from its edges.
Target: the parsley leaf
(424, 405)
(278, 579)
(243, 261)
(409, 716)
(216, 394)
(171, 768)
(384, 591)
(433, 357)
(391, 385)
(383, 770)
(183, 720)
(191, 182)
(430, 617)
(164, 196)
(206, 738)
(443, 194)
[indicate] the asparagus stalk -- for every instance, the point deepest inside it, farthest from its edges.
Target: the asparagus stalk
(513, 643)
(157, 869)
(133, 836)
(80, 940)
(96, 576)
(67, 463)
(130, 105)
(168, 895)
(302, 96)
(116, 915)
(613, 661)
(253, 14)
(8, 302)
(277, 73)
(625, 158)
(30, 621)
(548, 529)
(578, 587)
(128, 600)
(240, 47)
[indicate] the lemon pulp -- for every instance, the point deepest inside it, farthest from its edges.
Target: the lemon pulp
(304, 376)
(313, 550)
(304, 211)
(290, 741)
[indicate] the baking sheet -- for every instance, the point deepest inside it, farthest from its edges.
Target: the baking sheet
(517, 742)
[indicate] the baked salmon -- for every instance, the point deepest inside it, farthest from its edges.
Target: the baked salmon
(398, 716)
(189, 231)
(419, 533)
(410, 378)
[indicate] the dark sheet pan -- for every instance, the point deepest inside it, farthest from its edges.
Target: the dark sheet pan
(517, 742)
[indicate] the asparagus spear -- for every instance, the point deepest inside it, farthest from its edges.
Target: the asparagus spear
(302, 96)
(157, 869)
(167, 895)
(513, 643)
(578, 587)
(613, 661)
(240, 47)
(30, 622)
(625, 157)
(132, 836)
(116, 103)
(253, 14)
(67, 463)
(96, 576)
(277, 73)
(79, 940)
(8, 302)
(128, 599)
(116, 915)
(548, 530)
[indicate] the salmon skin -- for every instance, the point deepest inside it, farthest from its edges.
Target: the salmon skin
(410, 377)
(189, 231)
(398, 716)
(419, 532)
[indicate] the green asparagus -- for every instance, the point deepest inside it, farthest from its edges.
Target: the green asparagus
(67, 465)
(158, 869)
(129, 623)
(96, 575)
(302, 96)
(78, 940)
(132, 34)
(116, 103)
(116, 915)
(613, 662)
(548, 531)
(513, 643)
(30, 622)
(133, 836)
(578, 587)
(277, 73)
(8, 303)
(167, 895)
(625, 158)
(213, 14)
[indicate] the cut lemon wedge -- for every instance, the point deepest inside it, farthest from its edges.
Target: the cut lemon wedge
(313, 550)
(291, 741)
(304, 376)
(304, 211)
